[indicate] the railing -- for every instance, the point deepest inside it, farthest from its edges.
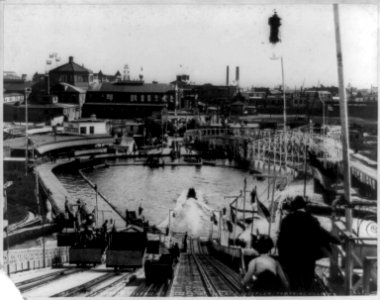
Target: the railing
(357, 272)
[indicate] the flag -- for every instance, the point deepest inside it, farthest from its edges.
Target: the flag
(327, 176)
(253, 196)
(230, 226)
(214, 220)
(233, 215)
(241, 225)
(262, 210)
(323, 179)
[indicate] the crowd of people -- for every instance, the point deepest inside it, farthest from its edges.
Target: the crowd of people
(85, 226)
(301, 242)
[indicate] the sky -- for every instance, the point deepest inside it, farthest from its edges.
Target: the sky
(199, 40)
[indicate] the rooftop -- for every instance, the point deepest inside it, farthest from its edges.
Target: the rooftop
(71, 66)
(71, 88)
(88, 120)
(131, 88)
(45, 106)
(48, 142)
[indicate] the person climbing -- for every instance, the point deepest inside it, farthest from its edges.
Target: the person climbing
(265, 275)
(175, 252)
(184, 243)
(104, 226)
(300, 243)
(140, 210)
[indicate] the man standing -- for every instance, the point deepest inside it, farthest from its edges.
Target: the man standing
(299, 244)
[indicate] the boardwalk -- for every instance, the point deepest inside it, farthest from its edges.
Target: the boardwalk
(59, 193)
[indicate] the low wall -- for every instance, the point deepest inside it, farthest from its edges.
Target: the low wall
(34, 258)
(231, 256)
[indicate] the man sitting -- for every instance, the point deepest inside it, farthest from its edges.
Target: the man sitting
(265, 275)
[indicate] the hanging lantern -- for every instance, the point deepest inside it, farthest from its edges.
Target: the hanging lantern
(274, 23)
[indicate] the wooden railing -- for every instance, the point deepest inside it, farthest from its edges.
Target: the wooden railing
(356, 272)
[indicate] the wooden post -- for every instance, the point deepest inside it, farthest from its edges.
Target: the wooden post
(272, 206)
(345, 149)
(220, 227)
(2, 203)
(280, 146)
(244, 196)
(305, 170)
(6, 231)
(334, 253)
(298, 156)
(42, 218)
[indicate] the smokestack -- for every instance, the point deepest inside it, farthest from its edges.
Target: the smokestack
(228, 76)
(71, 59)
(237, 76)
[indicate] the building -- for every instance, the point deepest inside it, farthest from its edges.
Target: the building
(185, 97)
(64, 88)
(70, 94)
(127, 99)
(100, 77)
(215, 95)
(49, 113)
(70, 73)
(15, 87)
(90, 126)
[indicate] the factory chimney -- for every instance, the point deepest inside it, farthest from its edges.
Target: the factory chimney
(237, 76)
(228, 76)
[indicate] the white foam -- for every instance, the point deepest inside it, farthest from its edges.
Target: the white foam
(190, 215)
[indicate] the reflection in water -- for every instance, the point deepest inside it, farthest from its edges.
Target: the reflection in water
(157, 189)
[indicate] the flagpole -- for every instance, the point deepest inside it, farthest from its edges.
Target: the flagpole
(283, 91)
(345, 147)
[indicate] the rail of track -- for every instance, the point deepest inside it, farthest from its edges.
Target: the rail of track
(32, 283)
(151, 290)
(113, 288)
(218, 279)
(85, 287)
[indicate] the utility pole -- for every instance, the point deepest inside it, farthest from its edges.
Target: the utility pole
(284, 108)
(26, 136)
(283, 93)
(345, 149)
(5, 206)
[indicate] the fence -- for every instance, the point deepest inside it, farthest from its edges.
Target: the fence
(34, 258)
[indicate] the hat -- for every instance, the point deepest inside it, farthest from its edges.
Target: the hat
(298, 203)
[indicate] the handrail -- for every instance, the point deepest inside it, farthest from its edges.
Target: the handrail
(368, 273)
(349, 259)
